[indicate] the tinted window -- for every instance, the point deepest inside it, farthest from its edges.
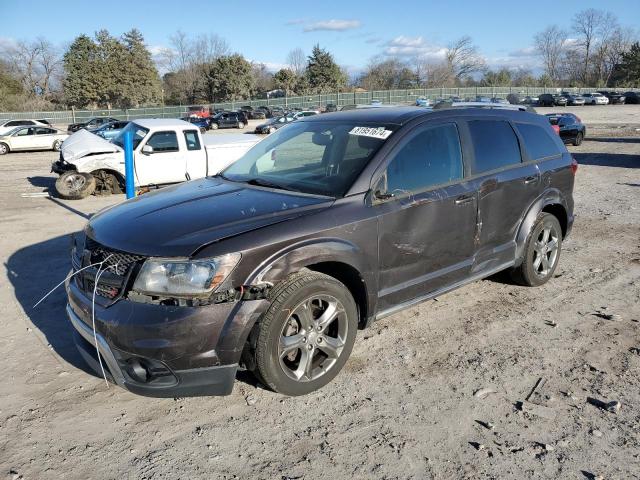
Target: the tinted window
(192, 140)
(44, 131)
(537, 141)
(164, 142)
(432, 157)
(494, 143)
(17, 123)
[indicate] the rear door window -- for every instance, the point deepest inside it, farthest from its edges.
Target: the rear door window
(192, 140)
(432, 157)
(495, 145)
(537, 141)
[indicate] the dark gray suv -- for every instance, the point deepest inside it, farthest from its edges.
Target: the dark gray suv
(326, 225)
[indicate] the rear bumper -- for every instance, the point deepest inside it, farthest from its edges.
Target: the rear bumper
(161, 351)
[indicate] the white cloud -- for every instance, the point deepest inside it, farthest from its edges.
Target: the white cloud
(332, 25)
(404, 46)
(524, 52)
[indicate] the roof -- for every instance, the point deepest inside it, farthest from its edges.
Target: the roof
(391, 115)
(403, 115)
(161, 122)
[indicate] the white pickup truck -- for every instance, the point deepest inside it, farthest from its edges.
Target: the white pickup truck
(164, 151)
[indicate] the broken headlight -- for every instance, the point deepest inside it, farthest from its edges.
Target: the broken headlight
(184, 278)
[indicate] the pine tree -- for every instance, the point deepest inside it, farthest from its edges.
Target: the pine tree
(323, 73)
(228, 78)
(82, 79)
(140, 79)
(286, 80)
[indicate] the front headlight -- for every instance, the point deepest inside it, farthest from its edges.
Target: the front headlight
(184, 278)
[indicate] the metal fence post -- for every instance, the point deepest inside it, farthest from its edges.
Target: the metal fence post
(128, 164)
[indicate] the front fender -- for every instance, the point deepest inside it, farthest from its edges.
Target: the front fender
(549, 197)
(92, 163)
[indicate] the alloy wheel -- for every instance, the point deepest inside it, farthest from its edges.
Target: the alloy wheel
(545, 251)
(312, 338)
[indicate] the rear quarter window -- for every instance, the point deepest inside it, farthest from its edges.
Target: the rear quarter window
(495, 145)
(537, 141)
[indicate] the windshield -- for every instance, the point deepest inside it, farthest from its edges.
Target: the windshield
(138, 134)
(321, 158)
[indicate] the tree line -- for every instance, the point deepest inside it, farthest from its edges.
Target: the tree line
(105, 71)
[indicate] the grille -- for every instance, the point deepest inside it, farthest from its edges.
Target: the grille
(106, 291)
(117, 262)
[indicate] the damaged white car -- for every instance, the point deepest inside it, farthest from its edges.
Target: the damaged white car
(165, 151)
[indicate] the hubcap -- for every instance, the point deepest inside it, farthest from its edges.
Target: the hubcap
(312, 338)
(3, 149)
(545, 251)
(75, 182)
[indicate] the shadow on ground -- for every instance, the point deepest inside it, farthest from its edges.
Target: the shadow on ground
(620, 160)
(43, 182)
(33, 271)
(614, 139)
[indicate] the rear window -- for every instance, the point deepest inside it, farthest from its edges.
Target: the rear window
(537, 141)
(495, 145)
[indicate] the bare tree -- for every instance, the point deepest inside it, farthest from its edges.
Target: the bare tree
(463, 59)
(37, 64)
(590, 25)
(297, 61)
(207, 48)
(550, 44)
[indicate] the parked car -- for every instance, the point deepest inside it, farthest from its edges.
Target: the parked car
(531, 100)
(44, 122)
(632, 97)
(258, 114)
(198, 111)
(614, 97)
(274, 124)
(595, 98)
(423, 102)
(516, 98)
(305, 113)
(91, 123)
(203, 123)
(267, 111)
(570, 127)
(499, 100)
(8, 125)
(330, 107)
(165, 151)
(109, 130)
(228, 120)
(31, 138)
(573, 99)
(277, 262)
(482, 98)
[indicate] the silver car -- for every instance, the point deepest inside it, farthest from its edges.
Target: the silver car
(31, 138)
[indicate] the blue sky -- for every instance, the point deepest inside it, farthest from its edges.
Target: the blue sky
(354, 31)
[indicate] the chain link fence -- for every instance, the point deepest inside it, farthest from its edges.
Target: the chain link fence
(303, 101)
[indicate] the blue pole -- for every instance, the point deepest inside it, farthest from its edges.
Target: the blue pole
(128, 164)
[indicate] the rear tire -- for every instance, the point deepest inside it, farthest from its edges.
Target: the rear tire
(578, 140)
(305, 337)
(541, 252)
(214, 126)
(74, 185)
(240, 125)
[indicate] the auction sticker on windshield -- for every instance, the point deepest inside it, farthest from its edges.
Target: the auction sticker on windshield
(375, 132)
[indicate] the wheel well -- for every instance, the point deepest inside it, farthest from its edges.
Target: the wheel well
(351, 278)
(560, 213)
(118, 175)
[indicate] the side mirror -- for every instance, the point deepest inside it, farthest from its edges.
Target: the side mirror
(147, 149)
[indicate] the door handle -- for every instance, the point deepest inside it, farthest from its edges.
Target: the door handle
(531, 179)
(463, 199)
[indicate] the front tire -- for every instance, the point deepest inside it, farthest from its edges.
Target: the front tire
(4, 148)
(541, 253)
(57, 145)
(214, 126)
(241, 125)
(305, 337)
(74, 185)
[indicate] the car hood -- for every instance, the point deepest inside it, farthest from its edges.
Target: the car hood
(178, 221)
(83, 143)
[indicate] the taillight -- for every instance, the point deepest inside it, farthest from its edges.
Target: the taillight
(556, 129)
(574, 165)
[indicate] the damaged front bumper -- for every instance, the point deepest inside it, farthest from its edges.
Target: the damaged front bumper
(61, 165)
(163, 351)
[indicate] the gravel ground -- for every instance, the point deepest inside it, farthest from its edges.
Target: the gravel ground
(403, 408)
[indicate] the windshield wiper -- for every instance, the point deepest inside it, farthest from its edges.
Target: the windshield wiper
(260, 182)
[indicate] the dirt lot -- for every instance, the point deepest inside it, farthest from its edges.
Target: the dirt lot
(404, 407)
